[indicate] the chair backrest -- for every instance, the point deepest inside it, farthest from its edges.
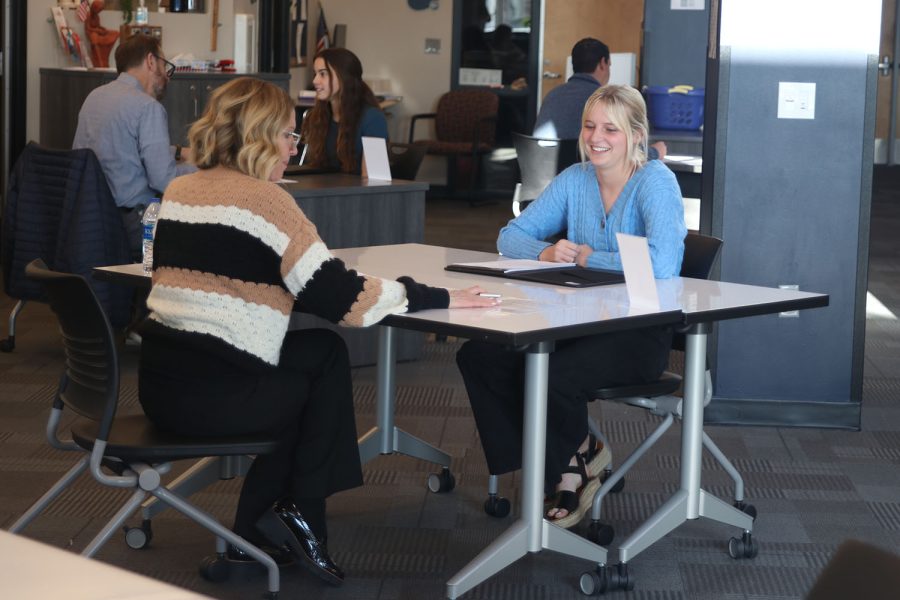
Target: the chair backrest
(59, 208)
(700, 253)
(460, 112)
(405, 159)
(90, 385)
(540, 160)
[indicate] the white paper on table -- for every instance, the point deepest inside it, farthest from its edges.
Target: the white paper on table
(376, 157)
(639, 279)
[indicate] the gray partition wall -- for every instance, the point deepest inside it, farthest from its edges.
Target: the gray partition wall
(790, 197)
(674, 46)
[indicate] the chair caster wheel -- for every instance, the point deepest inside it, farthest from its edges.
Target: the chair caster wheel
(441, 482)
(594, 583)
(743, 547)
(215, 568)
(9, 344)
(139, 538)
(620, 484)
(619, 578)
(496, 506)
(600, 533)
(746, 508)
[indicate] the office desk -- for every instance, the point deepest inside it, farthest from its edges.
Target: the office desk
(32, 570)
(533, 316)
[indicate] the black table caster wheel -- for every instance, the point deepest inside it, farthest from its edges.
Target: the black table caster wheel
(743, 547)
(600, 533)
(139, 538)
(594, 583)
(496, 506)
(619, 578)
(746, 508)
(215, 568)
(441, 482)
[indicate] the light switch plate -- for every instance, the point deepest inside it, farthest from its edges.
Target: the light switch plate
(796, 100)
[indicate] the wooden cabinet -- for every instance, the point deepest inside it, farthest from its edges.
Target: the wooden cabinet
(63, 91)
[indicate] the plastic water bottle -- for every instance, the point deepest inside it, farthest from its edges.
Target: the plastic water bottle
(141, 17)
(151, 213)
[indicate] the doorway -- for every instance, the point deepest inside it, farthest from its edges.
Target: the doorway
(888, 96)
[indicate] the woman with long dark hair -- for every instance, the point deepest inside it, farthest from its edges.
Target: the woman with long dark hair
(345, 111)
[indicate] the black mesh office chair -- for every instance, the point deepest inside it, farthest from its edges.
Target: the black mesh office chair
(540, 160)
(123, 451)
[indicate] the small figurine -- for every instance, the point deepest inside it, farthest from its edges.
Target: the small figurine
(102, 39)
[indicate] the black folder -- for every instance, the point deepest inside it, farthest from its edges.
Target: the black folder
(565, 275)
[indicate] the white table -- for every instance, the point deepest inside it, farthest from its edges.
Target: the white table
(534, 316)
(30, 569)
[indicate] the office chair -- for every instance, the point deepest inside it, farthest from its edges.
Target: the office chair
(59, 208)
(465, 125)
(123, 451)
(405, 160)
(540, 160)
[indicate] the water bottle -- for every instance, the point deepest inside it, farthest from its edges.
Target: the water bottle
(151, 213)
(141, 17)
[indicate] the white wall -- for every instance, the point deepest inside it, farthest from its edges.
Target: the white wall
(182, 33)
(390, 42)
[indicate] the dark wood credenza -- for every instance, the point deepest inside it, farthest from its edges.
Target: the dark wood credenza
(63, 92)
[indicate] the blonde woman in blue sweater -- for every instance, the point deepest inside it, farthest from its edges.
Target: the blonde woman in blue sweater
(616, 189)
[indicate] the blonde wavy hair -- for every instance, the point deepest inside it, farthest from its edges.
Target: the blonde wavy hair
(625, 109)
(240, 127)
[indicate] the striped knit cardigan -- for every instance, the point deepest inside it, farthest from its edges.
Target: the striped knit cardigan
(234, 256)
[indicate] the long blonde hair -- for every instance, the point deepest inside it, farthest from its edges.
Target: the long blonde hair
(240, 127)
(626, 110)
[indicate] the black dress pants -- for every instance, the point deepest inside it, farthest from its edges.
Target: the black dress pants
(306, 402)
(495, 381)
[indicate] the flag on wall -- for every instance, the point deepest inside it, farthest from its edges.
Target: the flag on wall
(322, 40)
(83, 11)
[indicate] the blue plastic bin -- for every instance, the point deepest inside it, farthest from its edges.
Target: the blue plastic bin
(672, 109)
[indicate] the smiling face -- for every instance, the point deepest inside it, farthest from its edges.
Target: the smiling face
(287, 147)
(604, 143)
(325, 81)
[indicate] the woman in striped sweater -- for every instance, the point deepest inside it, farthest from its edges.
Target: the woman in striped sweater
(233, 257)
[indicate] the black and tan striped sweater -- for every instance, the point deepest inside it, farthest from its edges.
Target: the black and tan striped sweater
(234, 256)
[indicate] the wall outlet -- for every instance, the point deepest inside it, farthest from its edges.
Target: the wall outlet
(790, 314)
(432, 46)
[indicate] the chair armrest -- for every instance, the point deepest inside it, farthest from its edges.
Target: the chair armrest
(412, 123)
(476, 131)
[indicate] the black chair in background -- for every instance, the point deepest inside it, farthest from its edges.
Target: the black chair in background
(405, 160)
(59, 208)
(540, 160)
(124, 451)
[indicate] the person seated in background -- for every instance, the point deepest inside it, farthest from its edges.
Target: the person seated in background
(345, 111)
(233, 257)
(615, 190)
(560, 113)
(125, 125)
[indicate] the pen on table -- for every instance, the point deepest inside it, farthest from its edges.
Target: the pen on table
(483, 295)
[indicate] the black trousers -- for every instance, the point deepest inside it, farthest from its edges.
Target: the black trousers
(307, 402)
(495, 381)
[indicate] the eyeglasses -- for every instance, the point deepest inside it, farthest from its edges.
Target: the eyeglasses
(170, 66)
(293, 137)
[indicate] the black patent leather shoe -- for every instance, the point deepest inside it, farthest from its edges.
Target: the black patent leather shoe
(286, 528)
(282, 558)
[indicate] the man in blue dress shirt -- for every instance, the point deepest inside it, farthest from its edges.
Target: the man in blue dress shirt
(125, 125)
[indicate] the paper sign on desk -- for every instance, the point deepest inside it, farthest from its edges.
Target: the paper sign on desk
(376, 158)
(639, 279)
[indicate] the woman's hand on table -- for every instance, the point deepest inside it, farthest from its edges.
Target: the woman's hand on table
(562, 251)
(472, 298)
(583, 252)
